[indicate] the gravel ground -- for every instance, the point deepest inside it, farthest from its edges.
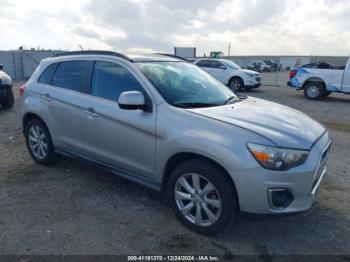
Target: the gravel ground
(73, 208)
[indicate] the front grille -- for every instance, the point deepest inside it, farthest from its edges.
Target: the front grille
(258, 78)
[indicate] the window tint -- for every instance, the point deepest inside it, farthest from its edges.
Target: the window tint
(109, 80)
(45, 76)
(70, 75)
(323, 66)
(204, 63)
(216, 64)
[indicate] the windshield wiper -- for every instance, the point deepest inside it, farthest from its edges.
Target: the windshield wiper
(234, 99)
(194, 105)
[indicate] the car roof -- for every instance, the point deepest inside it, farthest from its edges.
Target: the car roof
(145, 57)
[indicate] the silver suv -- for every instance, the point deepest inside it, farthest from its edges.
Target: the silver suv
(165, 123)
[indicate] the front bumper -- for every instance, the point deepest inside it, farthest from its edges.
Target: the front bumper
(300, 184)
(253, 86)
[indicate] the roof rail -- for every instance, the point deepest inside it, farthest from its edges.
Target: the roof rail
(92, 52)
(174, 56)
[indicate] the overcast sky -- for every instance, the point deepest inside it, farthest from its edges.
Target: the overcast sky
(253, 27)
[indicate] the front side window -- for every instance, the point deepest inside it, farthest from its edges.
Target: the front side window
(109, 80)
(216, 64)
(185, 85)
(231, 64)
(70, 75)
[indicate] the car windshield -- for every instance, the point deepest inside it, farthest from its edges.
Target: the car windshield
(185, 85)
(231, 64)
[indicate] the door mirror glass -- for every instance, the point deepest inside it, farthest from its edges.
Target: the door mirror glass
(132, 100)
(1, 67)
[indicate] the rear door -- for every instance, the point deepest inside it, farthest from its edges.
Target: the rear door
(121, 138)
(65, 99)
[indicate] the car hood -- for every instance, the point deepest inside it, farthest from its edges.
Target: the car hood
(250, 71)
(284, 126)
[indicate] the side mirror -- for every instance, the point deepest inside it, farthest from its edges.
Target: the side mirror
(1, 67)
(222, 67)
(132, 100)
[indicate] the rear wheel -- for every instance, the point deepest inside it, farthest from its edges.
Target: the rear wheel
(202, 197)
(8, 101)
(236, 84)
(39, 142)
(313, 90)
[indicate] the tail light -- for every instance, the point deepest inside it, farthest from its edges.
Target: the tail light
(21, 90)
(292, 73)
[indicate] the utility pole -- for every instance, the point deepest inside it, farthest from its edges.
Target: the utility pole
(229, 49)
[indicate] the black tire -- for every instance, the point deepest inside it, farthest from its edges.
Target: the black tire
(223, 186)
(236, 84)
(313, 90)
(50, 156)
(8, 101)
(326, 93)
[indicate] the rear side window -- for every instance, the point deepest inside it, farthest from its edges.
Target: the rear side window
(70, 75)
(46, 75)
(109, 80)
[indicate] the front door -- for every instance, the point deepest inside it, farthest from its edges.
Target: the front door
(124, 139)
(218, 70)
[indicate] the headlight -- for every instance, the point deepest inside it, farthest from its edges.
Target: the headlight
(249, 74)
(276, 158)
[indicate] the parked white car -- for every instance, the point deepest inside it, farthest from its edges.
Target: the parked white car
(230, 74)
(259, 66)
(320, 81)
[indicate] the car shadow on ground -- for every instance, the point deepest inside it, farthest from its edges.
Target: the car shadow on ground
(303, 230)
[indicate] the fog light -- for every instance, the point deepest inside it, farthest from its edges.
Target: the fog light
(279, 198)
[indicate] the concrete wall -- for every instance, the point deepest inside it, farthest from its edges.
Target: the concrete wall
(20, 64)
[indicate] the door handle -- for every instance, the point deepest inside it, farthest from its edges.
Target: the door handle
(91, 112)
(46, 97)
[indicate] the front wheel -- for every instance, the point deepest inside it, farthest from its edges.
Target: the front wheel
(236, 84)
(313, 90)
(202, 196)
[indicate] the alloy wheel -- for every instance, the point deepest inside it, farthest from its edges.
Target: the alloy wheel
(197, 199)
(235, 84)
(38, 143)
(313, 91)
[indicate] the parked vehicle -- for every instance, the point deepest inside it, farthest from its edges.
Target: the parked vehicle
(320, 79)
(259, 66)
(166, 124)
(323, 65)
(230, 74)
(273, 65)
(6, 95)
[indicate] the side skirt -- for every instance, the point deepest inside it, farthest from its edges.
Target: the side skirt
(114, 170)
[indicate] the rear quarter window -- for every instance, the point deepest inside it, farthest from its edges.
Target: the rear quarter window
(45, 77)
